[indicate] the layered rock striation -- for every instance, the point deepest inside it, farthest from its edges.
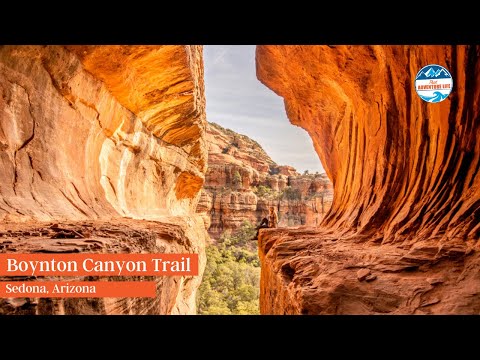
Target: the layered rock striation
(103, 133)
(402, 233)
(242, 182)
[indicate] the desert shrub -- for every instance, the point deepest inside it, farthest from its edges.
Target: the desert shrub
(231, 282)
(237, 178)
(263, 191)
(291, 194)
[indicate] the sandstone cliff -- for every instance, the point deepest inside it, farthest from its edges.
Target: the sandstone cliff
(242, 181)
(402, 234)
(100, 133)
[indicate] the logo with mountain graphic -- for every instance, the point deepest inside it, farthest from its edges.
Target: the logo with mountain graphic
(433, 83)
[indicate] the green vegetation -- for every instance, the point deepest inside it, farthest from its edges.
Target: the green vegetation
(231, 282)
(263, 191)
(237, 178)
(266, 192)
(292, 194)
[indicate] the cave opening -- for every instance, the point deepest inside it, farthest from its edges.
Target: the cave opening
(257, 159)
(103, 151)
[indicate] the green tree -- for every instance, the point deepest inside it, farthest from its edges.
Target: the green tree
(263, 191)
(231, 280)
(292, 194)
(237, 179)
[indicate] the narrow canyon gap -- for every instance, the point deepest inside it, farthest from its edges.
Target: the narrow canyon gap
(402, 233)
(255, 156)
(255, 161)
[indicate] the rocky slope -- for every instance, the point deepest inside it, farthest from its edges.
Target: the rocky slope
(402, 234)
(102, 133)
(242, 181)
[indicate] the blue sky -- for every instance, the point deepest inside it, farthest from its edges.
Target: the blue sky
(238, 101)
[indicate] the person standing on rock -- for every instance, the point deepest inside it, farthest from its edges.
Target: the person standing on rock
(272, 218)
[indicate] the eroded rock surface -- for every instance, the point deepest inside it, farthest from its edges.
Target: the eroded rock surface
(405, 177)
(101, 133)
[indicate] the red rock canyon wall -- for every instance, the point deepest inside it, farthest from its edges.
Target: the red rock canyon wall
(92, 134)
(406, 208)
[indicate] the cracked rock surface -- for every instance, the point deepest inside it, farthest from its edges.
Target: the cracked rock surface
(109, 134)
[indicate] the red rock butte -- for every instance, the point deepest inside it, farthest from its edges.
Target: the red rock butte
(406, 208)
(243, 182)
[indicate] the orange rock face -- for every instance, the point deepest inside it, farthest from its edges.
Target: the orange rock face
(405, 175)
(242, 182)
(101, 133)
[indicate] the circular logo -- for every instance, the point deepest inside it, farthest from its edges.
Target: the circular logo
(433, 83)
